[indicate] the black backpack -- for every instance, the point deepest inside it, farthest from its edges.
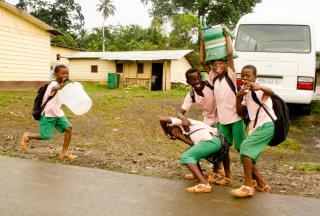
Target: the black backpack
(282, 124)
(37, 108)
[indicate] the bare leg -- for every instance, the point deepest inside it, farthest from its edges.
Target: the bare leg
(226, 165)
(26, 139)
(258, 177)
(247, 166)
(67, 138)
(197, 173)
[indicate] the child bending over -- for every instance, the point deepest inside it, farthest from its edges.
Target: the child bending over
(205, 143)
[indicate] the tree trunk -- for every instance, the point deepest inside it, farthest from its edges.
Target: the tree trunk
(103, 39)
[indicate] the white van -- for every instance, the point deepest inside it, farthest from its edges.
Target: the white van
(283, 51)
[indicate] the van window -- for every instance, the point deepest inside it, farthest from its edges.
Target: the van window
(273, 38)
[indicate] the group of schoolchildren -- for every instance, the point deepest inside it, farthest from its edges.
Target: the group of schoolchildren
(223, 123)
(224, 108)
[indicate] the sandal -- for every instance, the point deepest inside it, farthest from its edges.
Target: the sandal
(200, 188)
(224, 182)
(25, 142)
(67, 156)
(189, 176)
(214, 177)
(243, 191)
(265, 189)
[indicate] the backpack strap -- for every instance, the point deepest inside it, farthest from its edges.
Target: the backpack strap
(206, 82)
(195, 131)
(192, 95)
(45, 103)
(257, 101)
(231, 84)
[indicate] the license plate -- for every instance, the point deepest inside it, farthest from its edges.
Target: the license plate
(269, 81)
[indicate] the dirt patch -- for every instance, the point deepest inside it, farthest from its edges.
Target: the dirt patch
(122, 133)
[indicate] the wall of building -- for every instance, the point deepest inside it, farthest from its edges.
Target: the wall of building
(80, 69)
(178, 69)
(55, 50)
(24, 49)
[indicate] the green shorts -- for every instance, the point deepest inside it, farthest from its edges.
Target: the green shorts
(48, 124)
(233, 132)
(257, 141)
(200, 151)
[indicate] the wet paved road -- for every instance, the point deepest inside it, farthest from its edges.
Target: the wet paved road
(35, 188)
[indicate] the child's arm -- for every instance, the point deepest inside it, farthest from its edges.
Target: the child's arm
(185, 121)
(256, 86)
(203, 55)
(229, 51)
(239, 98)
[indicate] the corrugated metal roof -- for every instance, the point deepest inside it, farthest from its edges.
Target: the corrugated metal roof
(132, 55)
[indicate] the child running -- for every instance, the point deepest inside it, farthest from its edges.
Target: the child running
(223, 76)
(205, 142)
(52, 116)
(261, 130)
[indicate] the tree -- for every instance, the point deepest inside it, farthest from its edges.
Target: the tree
(107, 8)
(185, 27)
(217, 11)
(81, 38)
(65, 40)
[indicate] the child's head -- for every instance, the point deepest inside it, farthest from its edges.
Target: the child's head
(193, 77)
(173, 131)
(249, 73)
(61, 73)
(219, 67)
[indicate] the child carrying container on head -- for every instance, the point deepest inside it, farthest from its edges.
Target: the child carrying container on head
(201, 94)
(261, 130)
(52, 117)
(223, 76)
(205, 143)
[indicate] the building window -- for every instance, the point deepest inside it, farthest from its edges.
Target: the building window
(119, 68)
(58, 57)
(94, 68)
(140, 67)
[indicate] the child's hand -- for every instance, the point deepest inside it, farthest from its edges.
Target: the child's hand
(253, 86)
(186, 124)
(61, 86)
(225, 32)
(242, 92)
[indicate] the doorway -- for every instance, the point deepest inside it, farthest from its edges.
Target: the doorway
(157, 75)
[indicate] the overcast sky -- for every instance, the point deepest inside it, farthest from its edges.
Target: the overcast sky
(134, 12)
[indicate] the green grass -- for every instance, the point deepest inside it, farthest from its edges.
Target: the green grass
(315, 107)
(306, 166)
(289, 146)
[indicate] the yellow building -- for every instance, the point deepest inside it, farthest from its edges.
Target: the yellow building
(156, 70)
(57, 52)
(24, 47)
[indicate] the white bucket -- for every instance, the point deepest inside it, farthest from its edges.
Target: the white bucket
(75, 98)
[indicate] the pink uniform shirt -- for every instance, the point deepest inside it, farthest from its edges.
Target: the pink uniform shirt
(199, 131)
(225, 99)
(253, 107)
(207, 103)
(53, 107)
